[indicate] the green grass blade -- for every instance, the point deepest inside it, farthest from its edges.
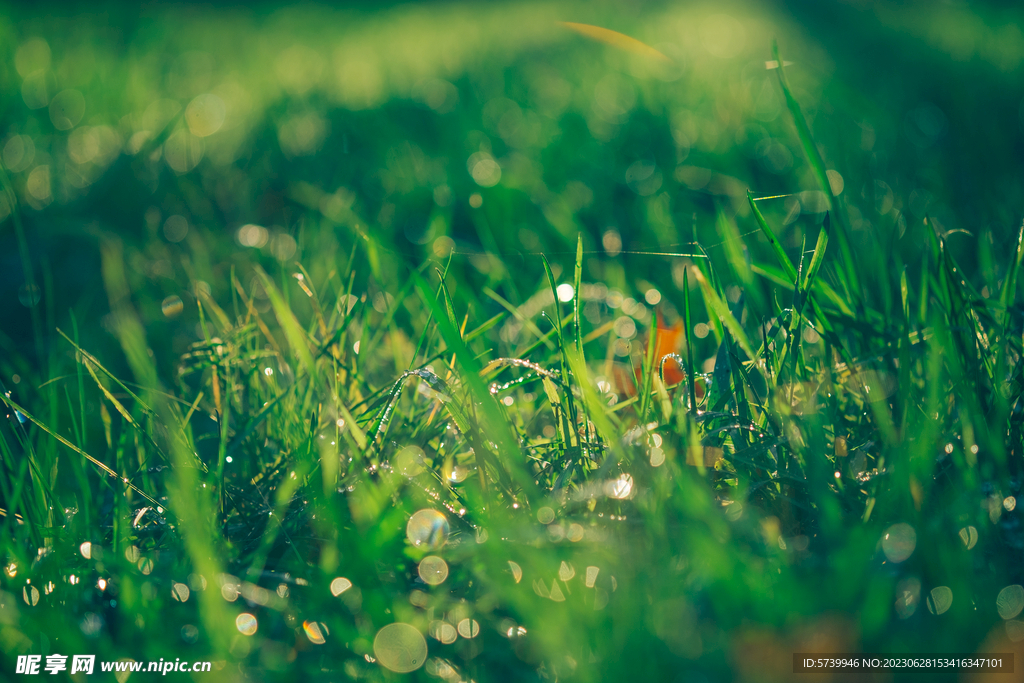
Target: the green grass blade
(577, 328)
(557, 322)
(691, 372)
(255, 422)
(726, 226)
(516, 313)
(780, 253)
(129, 330)
(554, 293)
(449, 305)
(818, 257)
(99, 464)
(352, 426)
(490, 415)
(818, 169)
(1009, 293)
(648, 372)
(772, 274)
(296, 336)
(720, 308)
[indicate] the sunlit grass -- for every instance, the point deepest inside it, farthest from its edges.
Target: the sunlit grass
(454, 342)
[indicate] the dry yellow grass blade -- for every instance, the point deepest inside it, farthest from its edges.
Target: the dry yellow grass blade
(616, 39)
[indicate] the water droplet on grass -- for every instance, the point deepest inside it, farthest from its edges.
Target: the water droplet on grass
(456, 473)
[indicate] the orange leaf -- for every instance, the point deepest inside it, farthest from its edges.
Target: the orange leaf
(668, 340)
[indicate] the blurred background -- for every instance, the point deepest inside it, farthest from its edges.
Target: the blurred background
(483, 129)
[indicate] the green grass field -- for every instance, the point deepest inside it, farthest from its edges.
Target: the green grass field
(453, 341)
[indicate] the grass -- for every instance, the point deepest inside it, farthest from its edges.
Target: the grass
(478, 330)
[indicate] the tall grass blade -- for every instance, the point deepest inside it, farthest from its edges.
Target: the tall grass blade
(63, 441)
(818, 257)
(449, 305)
(818, 169)
(497, 430)
(577, 277)
(554, 293)
(648, 372)
(720, 308)
(691, 377)
(1009, 293)
(773, 241)
(296, 336)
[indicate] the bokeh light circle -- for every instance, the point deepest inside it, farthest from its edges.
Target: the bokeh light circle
(246, 624)
(410, 461)
(443, 631)
(940, 599)
(205, 115)
(314, 632)
(969, 535)
(469, 628)
(899, 542)
(172, 306)
(433, 570)
(1010, 601)
(428, 529)
(400, 648)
